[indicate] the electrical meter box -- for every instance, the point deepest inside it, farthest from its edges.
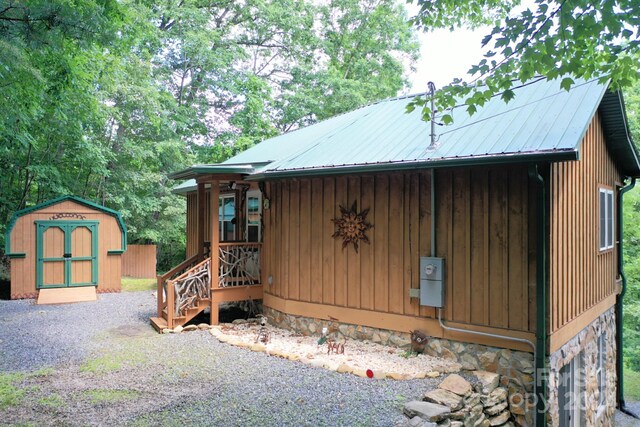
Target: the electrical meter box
(432, 281)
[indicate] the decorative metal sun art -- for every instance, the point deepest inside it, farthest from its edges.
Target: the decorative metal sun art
(352, 226)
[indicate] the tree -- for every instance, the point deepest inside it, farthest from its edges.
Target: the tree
(555, 39)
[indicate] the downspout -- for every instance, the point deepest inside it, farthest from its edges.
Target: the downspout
(541, 298)
(619, 306)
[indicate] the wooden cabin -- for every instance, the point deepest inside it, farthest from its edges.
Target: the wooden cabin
(498, 237)
(66, 249)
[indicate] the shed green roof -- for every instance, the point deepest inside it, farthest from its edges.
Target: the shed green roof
(89, 204)
(542, 123)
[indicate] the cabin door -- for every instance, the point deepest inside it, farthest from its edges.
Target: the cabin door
(67, 254)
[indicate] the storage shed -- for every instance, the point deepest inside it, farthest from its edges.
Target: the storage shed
(69, 244)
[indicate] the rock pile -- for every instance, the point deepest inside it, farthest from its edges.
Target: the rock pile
(458, 403)
(178, 329)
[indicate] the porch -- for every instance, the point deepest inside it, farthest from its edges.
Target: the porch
(228, 214)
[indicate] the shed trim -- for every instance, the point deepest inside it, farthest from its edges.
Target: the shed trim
(22, 212)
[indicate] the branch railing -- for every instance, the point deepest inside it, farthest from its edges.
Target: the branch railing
(189, 287)
(239, 264)
(169, 275)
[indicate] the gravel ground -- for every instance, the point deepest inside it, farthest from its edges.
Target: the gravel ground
(100, 363)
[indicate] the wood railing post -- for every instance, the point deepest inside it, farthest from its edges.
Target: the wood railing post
(214, 250)
(170, 304)
(160, 295)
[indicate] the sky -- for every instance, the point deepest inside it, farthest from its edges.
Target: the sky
(445, 55)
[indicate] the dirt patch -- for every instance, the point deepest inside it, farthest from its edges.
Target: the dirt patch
(361, 358)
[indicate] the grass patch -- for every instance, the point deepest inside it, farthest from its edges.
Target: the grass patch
(52, 401)
(129, 284)
(631, 385)
(101, 365)
(110, 396)
(10, 395)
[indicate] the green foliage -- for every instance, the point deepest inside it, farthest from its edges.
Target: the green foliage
(631, 228)
(103, 98)
(631, 385)
(553, 39)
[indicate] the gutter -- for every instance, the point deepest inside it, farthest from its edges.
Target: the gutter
(541, 297)
(619, 307)
(547, 156)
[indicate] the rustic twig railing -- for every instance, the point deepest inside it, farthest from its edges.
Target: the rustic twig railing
(176, 271)
(190, 287)
(239, 264)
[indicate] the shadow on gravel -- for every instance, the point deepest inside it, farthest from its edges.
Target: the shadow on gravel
(5, 289)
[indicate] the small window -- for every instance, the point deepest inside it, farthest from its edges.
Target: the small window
(571, 387)
(601, 371)
(607, 224)
(227, 217)
(254, 216)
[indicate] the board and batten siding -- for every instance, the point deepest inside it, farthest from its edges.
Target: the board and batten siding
(23, 240)
(582, 278)
(139, 261)
(484, 228)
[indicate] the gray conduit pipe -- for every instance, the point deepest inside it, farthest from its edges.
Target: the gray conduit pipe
(486, 334)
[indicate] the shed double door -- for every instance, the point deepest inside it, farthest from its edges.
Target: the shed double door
(67, 254)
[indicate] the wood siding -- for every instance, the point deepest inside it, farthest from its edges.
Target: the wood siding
(581, 276)
(23, 240)
(484, 231)
(139, 261)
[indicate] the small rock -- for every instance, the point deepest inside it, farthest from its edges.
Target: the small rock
(497, 396)
(456, 384)
(500, 419)
(444, 397)
(473, 399)
(257, 347)
(489, 380)
(432, 374)
(190, 328)
(203, 326)
(167, 331)
(494, 410)
(396, 376)
(344, 369)
(416, 422)
(177, 329)
(425, 410)
(456, 424)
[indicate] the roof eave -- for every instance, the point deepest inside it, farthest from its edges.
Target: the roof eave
(534, 157)
(195, 171)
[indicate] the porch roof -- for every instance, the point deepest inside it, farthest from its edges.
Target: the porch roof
(542, 123)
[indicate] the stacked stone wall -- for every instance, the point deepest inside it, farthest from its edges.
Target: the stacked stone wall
(516, 368)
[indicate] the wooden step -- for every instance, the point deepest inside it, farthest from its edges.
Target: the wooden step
(158, 323)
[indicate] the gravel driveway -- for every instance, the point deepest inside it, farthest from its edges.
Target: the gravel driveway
(100, 363)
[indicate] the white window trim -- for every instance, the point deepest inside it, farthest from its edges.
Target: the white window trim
(221, 222)
(609, 219)
(255, 194)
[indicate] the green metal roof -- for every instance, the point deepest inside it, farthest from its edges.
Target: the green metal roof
(542, 123)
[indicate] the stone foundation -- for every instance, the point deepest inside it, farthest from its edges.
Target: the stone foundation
(515, 367)
(587, 342)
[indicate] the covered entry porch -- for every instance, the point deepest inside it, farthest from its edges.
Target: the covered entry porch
(224, 232)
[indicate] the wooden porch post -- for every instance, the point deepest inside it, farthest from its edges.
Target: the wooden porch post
(201, 220)
(215, 240)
